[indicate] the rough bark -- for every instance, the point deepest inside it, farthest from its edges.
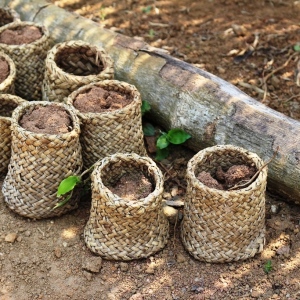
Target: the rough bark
(212, 110)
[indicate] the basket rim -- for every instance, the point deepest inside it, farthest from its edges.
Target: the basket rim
(16, 99)
(108, 66)
(203, 153)
(113, 82)
(12, 72)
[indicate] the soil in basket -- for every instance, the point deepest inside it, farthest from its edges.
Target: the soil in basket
(98, 100)
(4, 69)
(234, 176)
(132, 186)
(47, 119)
(20, 35)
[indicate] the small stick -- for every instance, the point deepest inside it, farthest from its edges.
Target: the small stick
(239, 186)
(174, 178)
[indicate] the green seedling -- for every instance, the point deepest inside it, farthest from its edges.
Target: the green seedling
(151, 33)
(268, 267)
(145, 107)
(147, 9)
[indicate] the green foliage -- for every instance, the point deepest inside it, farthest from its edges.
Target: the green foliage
(68, 185)
(148, 129)
(147, 9)
(151, 33)
(145, 107)
(177, 136)
(297, 47)
(162, 154)
(162, 142)
(102, 14)
(268, 267)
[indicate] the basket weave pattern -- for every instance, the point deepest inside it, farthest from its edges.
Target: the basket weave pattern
(125, 229)
(73, 64)
(38, 164)
(8, 15)
(106, 133)
(8, 85)
(223, 226)
(7, 104)
(29, 60)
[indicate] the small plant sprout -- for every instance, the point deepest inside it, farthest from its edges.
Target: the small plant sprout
(151, 33)
(268, 267)
(147, 9)
(145, 107)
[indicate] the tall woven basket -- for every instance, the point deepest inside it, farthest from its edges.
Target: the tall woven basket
(8, 15)
(7, 104)
(39, 162)
(8, 85)
(72, 64)
(29, 60)
(121, 229)
(109, 132)
(224, 226)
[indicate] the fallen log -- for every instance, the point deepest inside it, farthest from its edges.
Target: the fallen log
(212, 110)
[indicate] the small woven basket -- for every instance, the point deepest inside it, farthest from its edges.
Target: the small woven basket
(7, 104)
(106, 133)
(121, 229)
(224, 226)
(29, 60)
(72, 64)
(8, 15)
(39, 162)
(8, 85)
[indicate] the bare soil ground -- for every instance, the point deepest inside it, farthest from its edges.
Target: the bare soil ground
(48, 259)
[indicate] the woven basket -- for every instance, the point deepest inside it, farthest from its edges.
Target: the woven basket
(29, 60)
(39, 162)
(223, 226)
(8, 85)
(8, 15)
(7, 104)
(72, 64)
(106, 133)
(125, 229)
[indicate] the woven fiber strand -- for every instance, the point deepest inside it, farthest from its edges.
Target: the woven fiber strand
(29, 60)
(7, 104)
(223, 226)
(73, 64)
(8, 15)
(121, 229)
(8, 85)
(39, 162)
(106, 133)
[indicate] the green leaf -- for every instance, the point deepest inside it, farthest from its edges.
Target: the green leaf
(162, 154)
(62, 203)
(297, 47)
(268, 267)
(177, 136)
(148, 129)
(146, 9)
(67, 185)
(162, 142)
(145, 106)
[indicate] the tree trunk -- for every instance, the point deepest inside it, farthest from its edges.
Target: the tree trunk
(212, 110)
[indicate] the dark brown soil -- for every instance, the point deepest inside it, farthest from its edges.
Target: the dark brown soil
(20, 35)
(132, 186)
(4, 69)
(98, 100)
(46, 119)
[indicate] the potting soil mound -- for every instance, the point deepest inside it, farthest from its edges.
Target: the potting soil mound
(20, 35)
(98, 100)
(234, 176)
(4, 69)
(132, 186)
(46, 119)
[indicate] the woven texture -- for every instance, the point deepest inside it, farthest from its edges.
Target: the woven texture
(8, 15)
(29, 60)
(39, 162)
(7, 104)
(73, 64)
(223, 226)
(125, 229)
(8, 85)
(106, 133)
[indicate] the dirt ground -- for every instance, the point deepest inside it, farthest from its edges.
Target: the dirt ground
(48, 259)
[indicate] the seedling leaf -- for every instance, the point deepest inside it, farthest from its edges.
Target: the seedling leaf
(162, 142)
(145, 106)
(62, 203)
(268, 267)
(147, 9)
(161, 154)
(67, 185)
(148, 129)
(297, 47)
(177, 136)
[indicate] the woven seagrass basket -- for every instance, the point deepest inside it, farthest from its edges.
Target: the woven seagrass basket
(109, 132)
(72, 64)
(218, 225)
(8, 85)
(121, 229)
(8, 15)
(39, 162)
(7, 104)
(29, 60)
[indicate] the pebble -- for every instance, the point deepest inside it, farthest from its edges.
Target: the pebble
(65, 244)
(274, 208)
(171, 213)
(10, 237)
(57, 252)
(284, 250)
(92, 264)
(124, 267)
(231, 268)
(174, 190)
(167, 195)
(239, 29)
(137, 296)
(19, 239)
(27, 233)
(180, 258)
(150, 270)
(87, 275)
